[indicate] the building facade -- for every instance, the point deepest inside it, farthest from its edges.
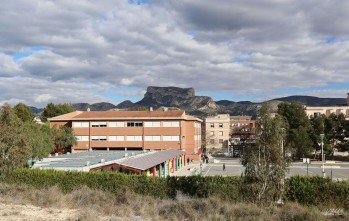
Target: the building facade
(242, 128)
(137, 130)
(217, 131)
(328, 110)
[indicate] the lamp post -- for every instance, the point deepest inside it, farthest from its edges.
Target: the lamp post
(322, 155)
(282, 142)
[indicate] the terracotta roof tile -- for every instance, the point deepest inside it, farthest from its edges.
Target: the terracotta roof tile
(67, 116)
(125, 114)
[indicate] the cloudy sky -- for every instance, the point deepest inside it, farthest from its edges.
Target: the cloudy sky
(111, 50)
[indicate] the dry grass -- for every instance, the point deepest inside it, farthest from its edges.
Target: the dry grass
(98, 205)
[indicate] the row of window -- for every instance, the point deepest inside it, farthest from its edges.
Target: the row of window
(127, 124)
(220, 125)
(220, 133)
(212, 141)
(238, 125)
(129, 138)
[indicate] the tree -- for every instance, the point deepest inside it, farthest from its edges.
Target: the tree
(336, 129)
(63, 138)
(40, 139)
(52, 110)
(264, 163)
(24, 113)
(299, 128)
(14, 148)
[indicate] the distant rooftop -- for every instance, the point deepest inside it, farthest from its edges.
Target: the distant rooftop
(240, 117)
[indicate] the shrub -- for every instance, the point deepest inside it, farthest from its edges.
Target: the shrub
(318, 191)
(310, 191)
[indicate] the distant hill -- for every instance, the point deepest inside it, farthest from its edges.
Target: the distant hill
(185, 98)
(313, 101)
(36, 111)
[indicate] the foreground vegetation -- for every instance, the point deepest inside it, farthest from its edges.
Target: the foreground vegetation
(21, 139)
(309, 191)
(92, 204)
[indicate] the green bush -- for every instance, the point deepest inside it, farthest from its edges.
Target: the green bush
(317, 191)
(108, 181)
(310, 191)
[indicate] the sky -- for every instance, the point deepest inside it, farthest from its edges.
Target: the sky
(111, 50)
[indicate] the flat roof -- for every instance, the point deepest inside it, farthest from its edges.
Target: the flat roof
(87, 160)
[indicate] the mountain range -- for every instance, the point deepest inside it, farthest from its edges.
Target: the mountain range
(185, 98)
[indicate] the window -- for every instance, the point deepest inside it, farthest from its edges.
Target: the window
(211, 133)
(134, 124)
(212, 125)
(98, 138)
(220, 133)
(152, 124)
(134, 138)
(170, 138)
(221, 141)
(81, 138)
(152, 138)
(98, 124)
(80, 124)
(116, 138)
(220, 125)
(212, 141)
(171, 124)
(197, 125)
(116, 124)
(197, 137)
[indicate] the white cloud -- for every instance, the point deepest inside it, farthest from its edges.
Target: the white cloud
(41, 98)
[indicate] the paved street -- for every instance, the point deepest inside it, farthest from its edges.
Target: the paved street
(233, 167)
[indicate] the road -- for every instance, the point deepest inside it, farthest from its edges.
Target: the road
(233, 167)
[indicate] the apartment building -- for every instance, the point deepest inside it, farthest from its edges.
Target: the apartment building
(217, 131)
(312, 111)
(134, 130)
(242, 128)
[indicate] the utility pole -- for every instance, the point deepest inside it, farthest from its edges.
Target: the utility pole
(322, 155)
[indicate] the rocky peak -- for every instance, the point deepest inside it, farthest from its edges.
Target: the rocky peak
(166, 96)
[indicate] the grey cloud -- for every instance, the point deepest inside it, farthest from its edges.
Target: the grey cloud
(117, 44)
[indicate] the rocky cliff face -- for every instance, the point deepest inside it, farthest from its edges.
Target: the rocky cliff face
(166, 96)
(183, 98)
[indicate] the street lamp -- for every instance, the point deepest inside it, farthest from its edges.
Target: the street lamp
(322, 155)
(282, 142)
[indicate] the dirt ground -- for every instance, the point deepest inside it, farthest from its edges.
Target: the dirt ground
(17, 212)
